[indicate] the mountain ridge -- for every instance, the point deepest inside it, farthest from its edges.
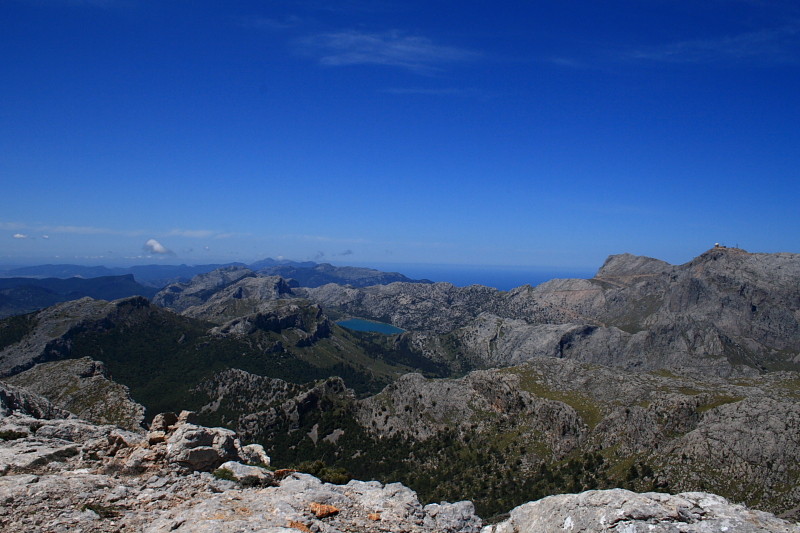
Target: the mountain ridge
(648, 376)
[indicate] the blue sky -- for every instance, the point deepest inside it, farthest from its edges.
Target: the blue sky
(518, 133)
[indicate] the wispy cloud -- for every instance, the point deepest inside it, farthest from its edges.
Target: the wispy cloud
(20, 236)
(25, 228)
(76, 230)
(193, 233)
(445, 91)
(775, 45)
(393, 48)
(323, 238)
(80, 3)
(88, 230)
(273, 24)
(203, 234)
(12, 226)
(568, 62)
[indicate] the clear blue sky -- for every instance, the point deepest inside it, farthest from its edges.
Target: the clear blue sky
(512, 133)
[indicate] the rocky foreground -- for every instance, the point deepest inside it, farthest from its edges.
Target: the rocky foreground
(60, 473)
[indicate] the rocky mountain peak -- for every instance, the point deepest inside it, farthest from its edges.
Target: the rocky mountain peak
(180, 296)
(631, 265)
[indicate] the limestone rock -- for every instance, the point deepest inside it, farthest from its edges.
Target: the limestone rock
(248, 475)
(76, 481)
(180, 296)
(305, 502)
(81, 386)
(254, 454)
(16, 400)
(201, 448)
(45, 342)
(622, 510)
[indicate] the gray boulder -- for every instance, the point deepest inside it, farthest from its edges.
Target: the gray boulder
(624, 511)
(201, 448)
(248, 475)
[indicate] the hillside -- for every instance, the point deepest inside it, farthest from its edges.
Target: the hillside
(546, 427)
(161, 356)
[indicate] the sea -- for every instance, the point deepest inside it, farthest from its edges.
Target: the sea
(503, 278)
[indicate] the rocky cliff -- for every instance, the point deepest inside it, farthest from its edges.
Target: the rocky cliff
(81, 386)
(64, 474)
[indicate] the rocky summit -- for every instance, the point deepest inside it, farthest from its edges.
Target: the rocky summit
(63, 474)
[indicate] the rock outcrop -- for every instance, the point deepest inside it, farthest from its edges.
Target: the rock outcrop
(45, 338)
(621, 510)
(437, 307)
(181, 296)
(81, 386)
(69, 475)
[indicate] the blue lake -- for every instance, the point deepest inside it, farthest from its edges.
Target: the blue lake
(359, 324)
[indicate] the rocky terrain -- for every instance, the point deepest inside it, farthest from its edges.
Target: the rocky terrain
(544, 427)
(81, 386)
(648, 377)
(727, 312)
(63, 474)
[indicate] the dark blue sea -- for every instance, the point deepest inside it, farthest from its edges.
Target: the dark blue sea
(499, 277)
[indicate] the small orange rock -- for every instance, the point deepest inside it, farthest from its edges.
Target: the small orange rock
(282, 473)
(298, 526)
(322, 510)
(374, 516)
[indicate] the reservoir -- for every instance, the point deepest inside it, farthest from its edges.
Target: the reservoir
(359, 324)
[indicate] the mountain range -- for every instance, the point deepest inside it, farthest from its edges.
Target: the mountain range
(27, 289)
(306, 273)
(649, 376)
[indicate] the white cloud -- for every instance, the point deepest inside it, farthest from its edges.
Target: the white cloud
(154, 247)
(20, 236)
